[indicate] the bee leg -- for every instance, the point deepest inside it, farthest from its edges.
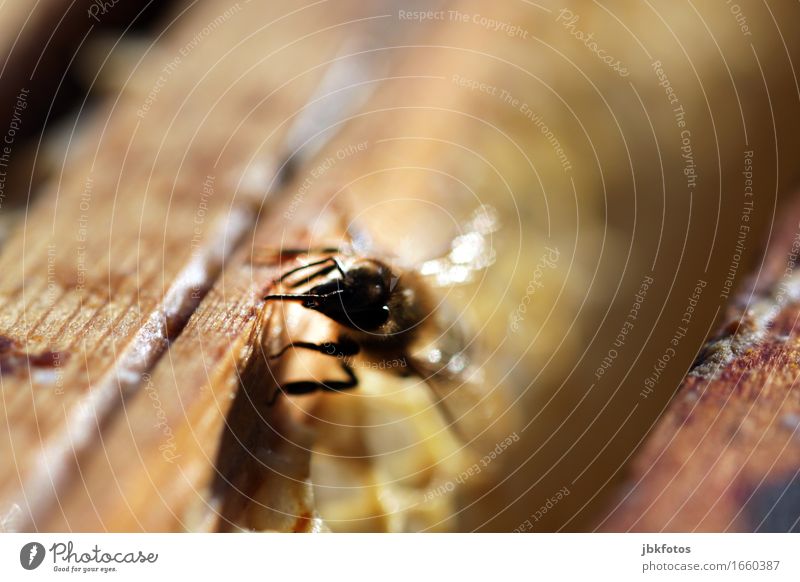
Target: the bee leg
(351, 381)
(308, 299)
(310, 278)
(270, 256)
(307, 387)
(306, 266)
(310, 251)
(329, 385)
(342, 348)
(335, 264)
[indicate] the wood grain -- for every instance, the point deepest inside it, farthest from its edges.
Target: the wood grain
(218, 356)
(725, 456)
(133, 384)
(164, 181)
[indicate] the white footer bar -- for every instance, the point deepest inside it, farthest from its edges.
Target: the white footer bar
(410, 557)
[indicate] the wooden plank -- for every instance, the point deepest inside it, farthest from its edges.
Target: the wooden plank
(435, 143)
(219, 353)
(162, 185)
(725, 456)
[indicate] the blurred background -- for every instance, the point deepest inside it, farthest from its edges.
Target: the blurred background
(639, 157)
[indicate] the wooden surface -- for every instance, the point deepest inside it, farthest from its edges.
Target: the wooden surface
(726, 454)
(216, 355)
(127, 430)
(132, 381)
(120, 249)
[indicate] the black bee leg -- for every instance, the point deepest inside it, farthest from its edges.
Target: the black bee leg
(311, 277)
(272, 256)
(306, 298)
(310, 251)
(329, 385)
(334, 265)
(340, 349)
(351, 381)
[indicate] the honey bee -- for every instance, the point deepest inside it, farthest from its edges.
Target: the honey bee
(383, 311)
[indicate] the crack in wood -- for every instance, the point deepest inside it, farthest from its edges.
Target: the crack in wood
(330, 105)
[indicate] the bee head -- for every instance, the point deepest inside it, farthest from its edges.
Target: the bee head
(359, 299)
(367, 284)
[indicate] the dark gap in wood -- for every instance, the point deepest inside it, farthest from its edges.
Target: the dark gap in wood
(40, 85)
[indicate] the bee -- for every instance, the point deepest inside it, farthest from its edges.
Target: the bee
(383, 311)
